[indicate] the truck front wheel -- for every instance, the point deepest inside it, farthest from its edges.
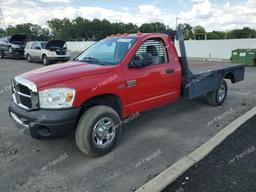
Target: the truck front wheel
(98, 131)
(218, 96)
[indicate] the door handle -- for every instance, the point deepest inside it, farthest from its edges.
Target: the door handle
(170, 71)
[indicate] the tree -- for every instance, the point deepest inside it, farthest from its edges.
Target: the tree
(130, 28)
(83, 29)
(187, 30)
(153, 27)
(34, 32)
(2, 32)
(96, 29)
(198, 29)
(61, 29)
(246, 32)
(199, 32)
(217, 35)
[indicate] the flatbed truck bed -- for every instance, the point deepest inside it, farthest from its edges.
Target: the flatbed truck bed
(205, 75)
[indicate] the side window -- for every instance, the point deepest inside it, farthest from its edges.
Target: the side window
(33, 46)
(39, 45)
(156, 48)
(4, 40)
(28, 45)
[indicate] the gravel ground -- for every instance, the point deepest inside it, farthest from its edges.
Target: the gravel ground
(148, 145)
(230, 167)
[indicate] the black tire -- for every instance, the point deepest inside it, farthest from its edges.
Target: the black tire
(2, 54)
(45, 60)
(29, 58)
(218, 96)
(85, 138)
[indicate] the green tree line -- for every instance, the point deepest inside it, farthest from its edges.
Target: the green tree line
(83, 29)
(198, 32)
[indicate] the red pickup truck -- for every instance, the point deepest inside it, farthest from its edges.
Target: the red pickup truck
(113, 79)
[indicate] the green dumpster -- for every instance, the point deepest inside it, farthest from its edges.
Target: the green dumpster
(244, 56)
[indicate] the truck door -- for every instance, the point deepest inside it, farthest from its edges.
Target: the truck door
(154, 85)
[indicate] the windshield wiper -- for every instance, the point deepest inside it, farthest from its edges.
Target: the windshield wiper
(91, 60)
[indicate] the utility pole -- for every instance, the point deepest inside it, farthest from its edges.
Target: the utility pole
(2, 24)
(177, 22)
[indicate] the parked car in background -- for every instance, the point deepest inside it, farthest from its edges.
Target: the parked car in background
(47, 52)
(13, 46)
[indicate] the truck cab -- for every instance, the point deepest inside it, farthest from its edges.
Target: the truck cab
(115, 78)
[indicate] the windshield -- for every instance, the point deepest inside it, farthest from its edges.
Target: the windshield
(43, 45)
(108, 51)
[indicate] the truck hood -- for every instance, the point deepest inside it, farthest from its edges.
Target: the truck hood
(59, 73)
(18, 38)
(55, 43)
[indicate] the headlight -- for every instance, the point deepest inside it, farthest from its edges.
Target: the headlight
(51, 53)
(56, 98)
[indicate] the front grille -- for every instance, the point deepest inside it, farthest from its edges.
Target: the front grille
(60, 52)
(23, 96)
(23, 89)
(26, 101)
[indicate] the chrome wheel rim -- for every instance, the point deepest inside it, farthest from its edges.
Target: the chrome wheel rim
(29, 59)
(221, 92)
(10, 50)
(103, 132)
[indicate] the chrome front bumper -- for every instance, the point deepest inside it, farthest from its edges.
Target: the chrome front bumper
(20, 124)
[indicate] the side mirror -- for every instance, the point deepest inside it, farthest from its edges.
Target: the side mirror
(38, 48)
(142, 60)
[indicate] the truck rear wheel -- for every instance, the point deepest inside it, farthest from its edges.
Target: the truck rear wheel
(98, 131)
(218, 96)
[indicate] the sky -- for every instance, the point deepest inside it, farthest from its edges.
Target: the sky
(211, 14)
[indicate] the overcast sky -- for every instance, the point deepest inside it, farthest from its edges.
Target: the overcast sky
(211, 14)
